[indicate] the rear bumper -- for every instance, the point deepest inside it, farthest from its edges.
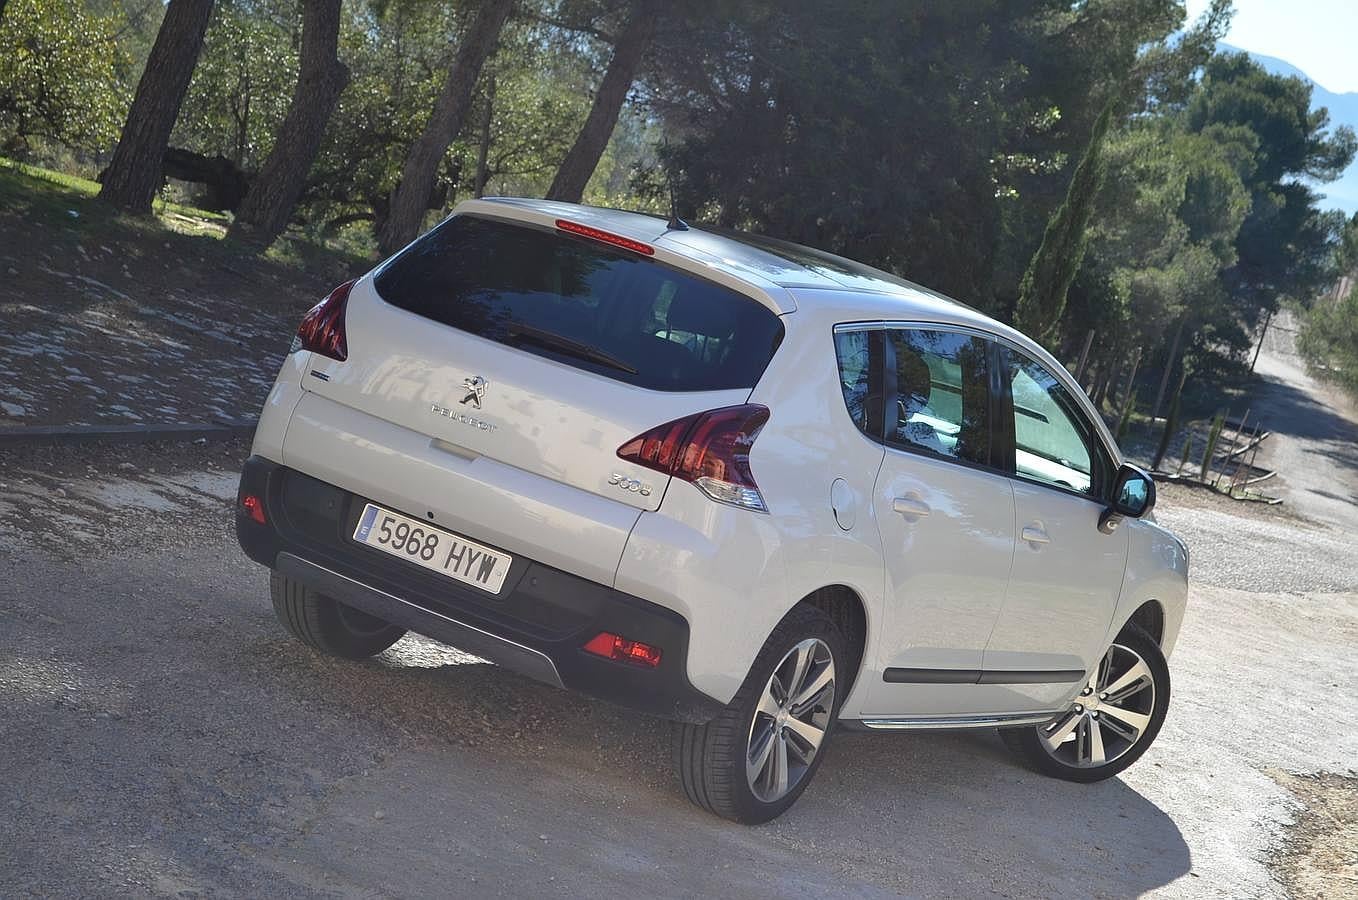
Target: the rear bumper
(536, 626)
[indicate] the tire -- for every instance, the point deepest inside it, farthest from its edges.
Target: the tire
(328, 625)
(1096, 712)
(711, 758)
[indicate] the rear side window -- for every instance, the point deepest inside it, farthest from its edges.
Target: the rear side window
(859, 370)
(585, 304)
(942, 394)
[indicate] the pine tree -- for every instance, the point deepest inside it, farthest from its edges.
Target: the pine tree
(1042, 293)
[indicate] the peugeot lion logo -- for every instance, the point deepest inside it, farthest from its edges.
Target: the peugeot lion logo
(476, 389)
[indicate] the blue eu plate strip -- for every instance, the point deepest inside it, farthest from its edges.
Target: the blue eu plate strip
(365, 525)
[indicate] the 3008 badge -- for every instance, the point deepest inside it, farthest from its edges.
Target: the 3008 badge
(634, 485)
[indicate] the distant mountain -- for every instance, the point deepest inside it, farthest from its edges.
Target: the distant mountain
(1342, 194)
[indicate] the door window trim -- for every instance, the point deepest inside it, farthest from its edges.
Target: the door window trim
(1003, 445)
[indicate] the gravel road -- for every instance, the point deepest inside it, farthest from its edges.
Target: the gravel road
(160, 734)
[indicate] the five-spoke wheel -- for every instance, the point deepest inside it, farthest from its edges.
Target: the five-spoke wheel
(754, 759)
(791, 719)
(1111, 722)
(1109, 716)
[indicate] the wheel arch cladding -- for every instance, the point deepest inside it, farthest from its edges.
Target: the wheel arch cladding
(843, 605)
(1150, 618)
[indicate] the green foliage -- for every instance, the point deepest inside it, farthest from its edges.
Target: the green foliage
(398, 55)
(1042, 293)
(1329, 338)
(1077, 166)
(1183, 456)
(1283, 247)
(243, 82)
(61, 74)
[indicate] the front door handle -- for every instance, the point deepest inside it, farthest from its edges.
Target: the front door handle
(1034, 534)
(910, 507)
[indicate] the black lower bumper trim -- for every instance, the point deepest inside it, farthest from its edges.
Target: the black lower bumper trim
(537, 625)
(393, 609)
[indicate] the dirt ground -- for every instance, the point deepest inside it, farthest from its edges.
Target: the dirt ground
(103, 320)
(159, 733)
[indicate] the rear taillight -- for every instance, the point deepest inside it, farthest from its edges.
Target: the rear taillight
(710, 449)
(322, 328)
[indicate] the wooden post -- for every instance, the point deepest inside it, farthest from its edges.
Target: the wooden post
(1129, 390)
(1267, 319)
(1084, 357)
(483, 142)
(1230, 451)
(1169, 367)
(1213, 435)
(1240, 463)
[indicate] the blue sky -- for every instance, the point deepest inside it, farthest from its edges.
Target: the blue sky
(1320, 37)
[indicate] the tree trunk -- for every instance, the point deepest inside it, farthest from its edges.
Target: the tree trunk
(134, 175)
(583, 158)
(225, 185)
(321, 78)
(483, 145)
(1170, 362)
(410, 199)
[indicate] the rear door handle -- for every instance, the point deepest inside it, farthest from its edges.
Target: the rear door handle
(1034, 534)
(910, 507)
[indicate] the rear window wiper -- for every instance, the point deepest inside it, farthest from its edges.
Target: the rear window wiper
(569, 346)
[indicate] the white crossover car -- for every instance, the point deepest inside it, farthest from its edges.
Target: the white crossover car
(752, 487)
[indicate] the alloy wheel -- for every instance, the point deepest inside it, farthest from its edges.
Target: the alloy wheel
(791, 720)
(1108, 717)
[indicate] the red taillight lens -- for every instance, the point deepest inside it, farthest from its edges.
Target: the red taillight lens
(254, 507)
(322, 328)
(710, 449)
(612, 646)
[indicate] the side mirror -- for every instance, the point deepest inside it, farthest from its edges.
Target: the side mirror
(1133, 495)
(1133, 492)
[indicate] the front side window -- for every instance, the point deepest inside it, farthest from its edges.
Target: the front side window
(942, 402)
(1051, 437)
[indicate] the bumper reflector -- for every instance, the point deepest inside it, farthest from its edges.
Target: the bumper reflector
(612, 646)
(254, 506)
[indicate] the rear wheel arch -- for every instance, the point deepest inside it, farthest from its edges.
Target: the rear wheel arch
(846, 609)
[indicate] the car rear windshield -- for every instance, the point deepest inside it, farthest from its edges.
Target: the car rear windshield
(585, 304)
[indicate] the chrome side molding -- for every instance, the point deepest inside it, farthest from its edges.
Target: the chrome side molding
(908, 723)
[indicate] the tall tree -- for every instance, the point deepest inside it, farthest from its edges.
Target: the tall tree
(628, 49)
(134, 175)
(1042, 293)
(62, 75)
(321, 78)
(411, 197)
(1284, 245)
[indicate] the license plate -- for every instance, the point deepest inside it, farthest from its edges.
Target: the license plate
(437, 550)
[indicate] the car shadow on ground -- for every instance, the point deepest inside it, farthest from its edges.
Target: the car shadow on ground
(938, 807)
